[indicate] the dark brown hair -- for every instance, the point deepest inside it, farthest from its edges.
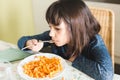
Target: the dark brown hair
(82, 24)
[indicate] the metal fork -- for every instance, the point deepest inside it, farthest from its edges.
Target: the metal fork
(49, 41)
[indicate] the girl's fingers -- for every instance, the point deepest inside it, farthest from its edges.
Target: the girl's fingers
(34, 45)
(37, 47)
(34, 41)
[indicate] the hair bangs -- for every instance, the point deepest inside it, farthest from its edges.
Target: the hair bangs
(53, 14)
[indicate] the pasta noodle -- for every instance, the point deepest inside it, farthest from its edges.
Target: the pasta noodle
(42, 67)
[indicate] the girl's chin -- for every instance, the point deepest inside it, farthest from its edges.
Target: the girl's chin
(58, 44)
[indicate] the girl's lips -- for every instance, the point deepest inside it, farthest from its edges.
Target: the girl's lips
(54, 41)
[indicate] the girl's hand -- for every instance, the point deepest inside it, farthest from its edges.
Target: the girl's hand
(34, 45)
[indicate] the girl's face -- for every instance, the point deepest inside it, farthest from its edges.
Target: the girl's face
(59, 34)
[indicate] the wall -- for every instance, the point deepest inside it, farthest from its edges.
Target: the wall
(16, 19)
(39, 10)
(41, 25)
(106, 1)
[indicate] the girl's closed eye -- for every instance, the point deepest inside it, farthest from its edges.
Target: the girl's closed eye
(57, 28)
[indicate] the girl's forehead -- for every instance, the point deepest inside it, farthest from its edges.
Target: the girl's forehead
(60, 22)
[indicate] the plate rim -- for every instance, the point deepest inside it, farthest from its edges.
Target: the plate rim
(25, 60)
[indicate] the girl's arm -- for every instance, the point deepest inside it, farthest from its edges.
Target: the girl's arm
(43, 36)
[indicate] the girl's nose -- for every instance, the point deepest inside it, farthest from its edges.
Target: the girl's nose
(52, 33)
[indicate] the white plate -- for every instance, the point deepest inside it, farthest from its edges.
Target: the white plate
(32, 57)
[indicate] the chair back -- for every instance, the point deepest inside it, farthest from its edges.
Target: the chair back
(106, 19)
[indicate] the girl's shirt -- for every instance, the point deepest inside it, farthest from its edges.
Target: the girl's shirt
(94, 60)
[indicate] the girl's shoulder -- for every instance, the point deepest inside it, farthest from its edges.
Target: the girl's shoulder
(97, 41)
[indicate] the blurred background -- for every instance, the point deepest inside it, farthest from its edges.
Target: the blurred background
(106, 1)
(16, 19)
(27, 17)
